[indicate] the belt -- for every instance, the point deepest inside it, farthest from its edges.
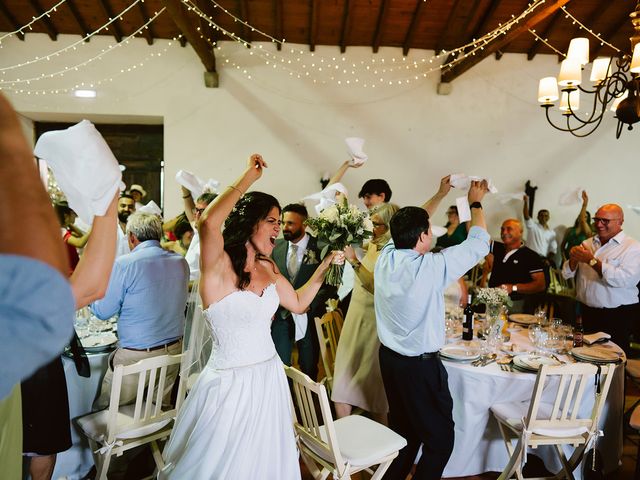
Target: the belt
(157, 347)
(422, 356)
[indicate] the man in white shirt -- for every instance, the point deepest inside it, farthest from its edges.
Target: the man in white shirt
(409, 304)
(608, 271)
(540, 237)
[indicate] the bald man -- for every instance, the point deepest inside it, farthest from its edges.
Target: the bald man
(515, 268)
(607, 271)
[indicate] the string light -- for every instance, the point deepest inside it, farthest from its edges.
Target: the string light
(591, 32)
(72, 46)
(533, 32)
(34, 20)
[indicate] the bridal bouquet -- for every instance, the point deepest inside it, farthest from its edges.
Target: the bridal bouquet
(336, 227)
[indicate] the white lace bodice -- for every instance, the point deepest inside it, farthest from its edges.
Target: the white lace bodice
(241, 326)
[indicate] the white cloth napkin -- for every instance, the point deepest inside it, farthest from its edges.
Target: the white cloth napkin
(327, 197)
(595, 338)
(460, 180)
(301, 322)
(84, 167)
(354, 146)
(195, 185)
(438, 231)
(634, 209)
(151, 207)
(571, 197)
(464, 212)
(505, 198)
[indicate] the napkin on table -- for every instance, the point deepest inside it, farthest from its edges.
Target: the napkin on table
(84, 167)
(596, 338)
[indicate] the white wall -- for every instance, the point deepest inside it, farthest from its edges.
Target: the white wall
(489, 125)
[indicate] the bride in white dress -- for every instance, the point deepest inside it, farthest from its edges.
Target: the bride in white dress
(236, 422)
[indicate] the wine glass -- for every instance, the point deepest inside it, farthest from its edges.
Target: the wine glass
(535, 332)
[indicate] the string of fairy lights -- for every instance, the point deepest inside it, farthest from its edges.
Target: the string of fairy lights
(296, 62)
(26, 27)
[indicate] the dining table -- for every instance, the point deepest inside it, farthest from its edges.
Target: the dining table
(478, 445)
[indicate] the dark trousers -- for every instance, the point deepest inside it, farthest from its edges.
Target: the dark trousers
(283, 334)
(420, 409)
(614, 321)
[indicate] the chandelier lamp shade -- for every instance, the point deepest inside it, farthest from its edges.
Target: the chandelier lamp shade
(614, 84)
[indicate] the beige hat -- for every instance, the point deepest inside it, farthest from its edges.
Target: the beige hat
(138, 188)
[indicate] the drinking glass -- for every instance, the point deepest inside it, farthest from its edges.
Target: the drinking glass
(535, 332)
(541, 316)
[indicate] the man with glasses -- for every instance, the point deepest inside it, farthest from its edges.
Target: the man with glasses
(608, 271)
(193, 211)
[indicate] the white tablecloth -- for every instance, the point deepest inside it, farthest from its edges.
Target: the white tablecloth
(77, 461)
(478, 444)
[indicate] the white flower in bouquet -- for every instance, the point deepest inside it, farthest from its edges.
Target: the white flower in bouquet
(338, 226)
(492, 296)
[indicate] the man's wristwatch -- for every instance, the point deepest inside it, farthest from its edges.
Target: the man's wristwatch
(593, 261)
(475, 205)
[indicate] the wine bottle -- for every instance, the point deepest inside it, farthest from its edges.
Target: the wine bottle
(578, 332)
(467, 327)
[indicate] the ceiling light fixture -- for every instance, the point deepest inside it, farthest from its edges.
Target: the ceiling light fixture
(615, 82)
(84, 93)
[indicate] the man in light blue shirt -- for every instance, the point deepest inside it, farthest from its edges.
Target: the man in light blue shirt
(409, 304)
(148, 290)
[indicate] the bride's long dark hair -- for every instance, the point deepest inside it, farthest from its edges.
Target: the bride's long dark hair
(240, 225)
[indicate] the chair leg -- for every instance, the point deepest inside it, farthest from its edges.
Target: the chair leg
(157, 456)
(514, 463)
(103, 469)
(383, 467)
(566, 465)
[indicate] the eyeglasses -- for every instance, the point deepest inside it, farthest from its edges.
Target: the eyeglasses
(604, 221)
(376, 224)
(198, 210)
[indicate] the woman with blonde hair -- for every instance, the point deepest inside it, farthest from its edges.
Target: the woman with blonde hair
(357, 380)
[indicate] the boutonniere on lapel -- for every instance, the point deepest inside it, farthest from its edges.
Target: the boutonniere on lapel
(310, 258)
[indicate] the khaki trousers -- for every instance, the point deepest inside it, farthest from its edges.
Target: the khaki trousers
(129, 389)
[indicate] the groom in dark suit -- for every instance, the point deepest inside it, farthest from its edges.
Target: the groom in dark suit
(297, 256)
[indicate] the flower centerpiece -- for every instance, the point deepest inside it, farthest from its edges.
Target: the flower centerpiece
(495, 299)
(336, 227)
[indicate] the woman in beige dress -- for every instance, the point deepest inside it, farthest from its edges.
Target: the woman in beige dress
(357, 380)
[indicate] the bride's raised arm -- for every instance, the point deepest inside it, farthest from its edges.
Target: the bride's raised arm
(298, 301)
(212, 219)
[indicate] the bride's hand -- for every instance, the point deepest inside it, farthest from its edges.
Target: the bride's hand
(255, 166)
(335, 257)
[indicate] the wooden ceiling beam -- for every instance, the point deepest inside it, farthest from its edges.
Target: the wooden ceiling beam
(114, 27)
(78, 19)
(313, 24)
(498, 43)
(454, 32)
(147, 32)
(415, 19)
(243, 10)
(596, 48)
(46, 21)
(206, 29)
(487, 15)
(11, 20)
(279, 27)
(377, 35)
(184, 22)
(537, 44)
(346, 25)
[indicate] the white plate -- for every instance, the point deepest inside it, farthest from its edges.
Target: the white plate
(596, 354)
(99, 341)
(533, 362)
(523, 318)
(460, 352)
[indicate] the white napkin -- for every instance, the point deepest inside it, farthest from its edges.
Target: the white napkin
(195, 185)
(571, 197)
(301, 322)
(464, 212)
(354, 146)
(44, 172)
(505, 198)
(595, 338)
(152, 208)
(460, 180)
(84, 167)
(327, 197)
(438, 231)
(634, 209)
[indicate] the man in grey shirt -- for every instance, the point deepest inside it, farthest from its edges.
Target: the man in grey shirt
(409, 304)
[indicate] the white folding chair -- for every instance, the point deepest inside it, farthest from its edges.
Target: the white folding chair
(122, 427)
(328, 328)
(558, 422)
(340, 447)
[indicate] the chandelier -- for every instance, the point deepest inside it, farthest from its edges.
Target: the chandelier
(615, 83)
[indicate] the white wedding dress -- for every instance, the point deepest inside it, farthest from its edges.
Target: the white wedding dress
(236, 422)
